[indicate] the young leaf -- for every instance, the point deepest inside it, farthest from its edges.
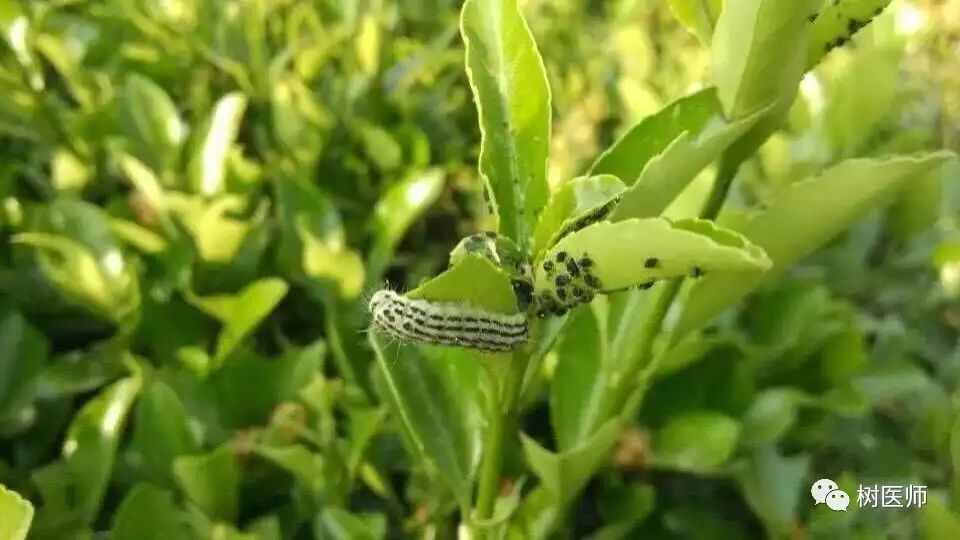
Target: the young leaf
(695, 441)
(241, 313)
(637, 251)
(211, 481)
(572, 207)
(658, 157)
(435, 394)
(16, 514)
(758, 52)
(208, 166)
(513, 101)
(564, 474)
(804, 217)
(398, 208)
(91, 444)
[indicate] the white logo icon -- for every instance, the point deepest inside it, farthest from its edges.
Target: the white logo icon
(827, 491)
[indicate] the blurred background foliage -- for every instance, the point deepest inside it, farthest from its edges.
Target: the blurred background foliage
(195, 197)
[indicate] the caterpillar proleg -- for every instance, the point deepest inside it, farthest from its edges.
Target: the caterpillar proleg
(443, 323)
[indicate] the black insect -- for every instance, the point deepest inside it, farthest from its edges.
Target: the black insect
(592, 281)
(647, 285)
(578, 292)
(652, 262)
(561, 280)
(586, 262)
(562, 294)
(696, 271)
(573, 268)
(561, 256)
(523, 291)
(548, 267)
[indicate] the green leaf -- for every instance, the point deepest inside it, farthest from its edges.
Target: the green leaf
(161, 433)
(306, 467)
(435, 395)
(804, 217)
(312, 240)
(636, 251)
(564, 474)
(836, 23)
(16, 31)
(211, 481)
(23, 355)
(91, 444)
(300, 121)
(623, 508)
(773, 486)
(339, 524)
(241, 313)
(149, 119)
(571, 205)
(697, 441)
(78, 253)
(659, 157)
(473, 280)
(937, 522)
(396, 210)
(697, 16)
(758, 52)
(772, 413)
(208, 165)
(849, 120)
(147, 512)
(513, 101)
(16, 512)
(581, 377)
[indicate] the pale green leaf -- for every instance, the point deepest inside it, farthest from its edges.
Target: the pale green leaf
(759, 52)
(570, 204)
(804, 217)
(637, 251)
(16, 514)
(208, 166)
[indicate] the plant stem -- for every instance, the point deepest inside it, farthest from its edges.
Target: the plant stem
(505, 382)
(631, 396)
(492, 460)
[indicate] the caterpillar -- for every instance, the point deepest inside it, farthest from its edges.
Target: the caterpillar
(443, 323)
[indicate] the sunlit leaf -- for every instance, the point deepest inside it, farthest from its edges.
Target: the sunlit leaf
(513, 100)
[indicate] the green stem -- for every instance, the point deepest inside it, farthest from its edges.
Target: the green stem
(505, 383)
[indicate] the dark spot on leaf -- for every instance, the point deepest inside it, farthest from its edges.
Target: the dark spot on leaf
(652, 262)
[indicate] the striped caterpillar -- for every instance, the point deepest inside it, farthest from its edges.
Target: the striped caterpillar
(446, 323)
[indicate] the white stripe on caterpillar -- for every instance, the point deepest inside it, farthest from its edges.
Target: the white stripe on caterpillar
(447, 323)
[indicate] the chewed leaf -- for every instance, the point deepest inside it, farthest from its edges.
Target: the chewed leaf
(608, 257)
(573, 204)
(510, 88)
(474, 281)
